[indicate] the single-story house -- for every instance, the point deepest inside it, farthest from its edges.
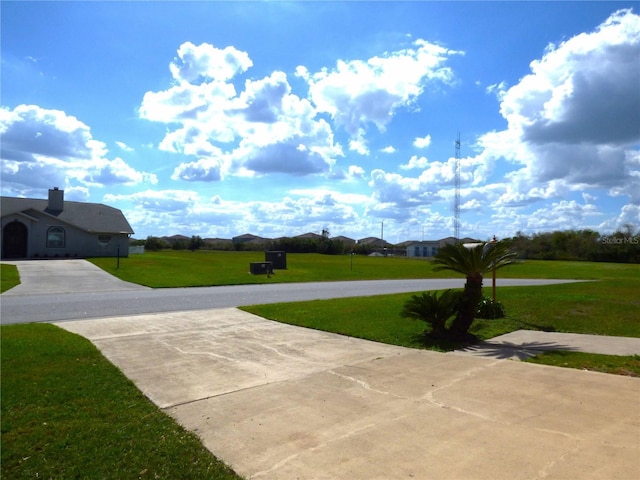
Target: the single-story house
(249, 238)
(53, 228)
(428, 248)
(346, 241)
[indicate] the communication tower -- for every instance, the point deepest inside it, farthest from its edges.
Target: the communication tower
(456, 203)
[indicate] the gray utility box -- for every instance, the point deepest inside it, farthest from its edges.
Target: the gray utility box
(278, 259)
(260, 268)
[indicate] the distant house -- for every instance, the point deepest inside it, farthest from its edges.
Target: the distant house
(309, 236)
(428, 248)
(36, 228)
(374, 242)
(249, 238)
(173, 239)
(346, 241)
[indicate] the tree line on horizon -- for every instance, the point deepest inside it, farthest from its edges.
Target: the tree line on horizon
(623, 246)
(323, 245)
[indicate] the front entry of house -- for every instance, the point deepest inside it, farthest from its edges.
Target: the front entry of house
(14, 240)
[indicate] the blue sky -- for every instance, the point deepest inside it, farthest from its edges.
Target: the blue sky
(281, 118)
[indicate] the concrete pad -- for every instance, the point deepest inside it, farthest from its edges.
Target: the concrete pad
(181, 357)
(473, 424)
(523, 344)
(281, 402)
(65, 276)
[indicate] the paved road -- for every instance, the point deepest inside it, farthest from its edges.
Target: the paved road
(76, 289)
(70, 306)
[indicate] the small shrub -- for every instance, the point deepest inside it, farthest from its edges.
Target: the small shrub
(490, 310)
(433, 309)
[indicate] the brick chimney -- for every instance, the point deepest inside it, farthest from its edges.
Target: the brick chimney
(56, 200)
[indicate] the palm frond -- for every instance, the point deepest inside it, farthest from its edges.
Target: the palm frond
(474, 260)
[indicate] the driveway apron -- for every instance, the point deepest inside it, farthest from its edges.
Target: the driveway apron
(65, 276)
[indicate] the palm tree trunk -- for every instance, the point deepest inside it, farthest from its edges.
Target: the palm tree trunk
(471, 297)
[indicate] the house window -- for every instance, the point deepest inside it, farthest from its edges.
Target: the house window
(104, 240)
(416, 251)
(55, 237)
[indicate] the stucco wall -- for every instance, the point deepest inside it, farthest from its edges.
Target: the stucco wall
(77, 243)
(425, 249)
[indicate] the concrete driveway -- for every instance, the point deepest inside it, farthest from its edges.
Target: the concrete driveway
(282, 402)
(65, 276)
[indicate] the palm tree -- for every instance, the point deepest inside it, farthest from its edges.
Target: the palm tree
(472, 262)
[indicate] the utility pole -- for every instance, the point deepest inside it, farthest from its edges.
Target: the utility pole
(493, 272)
(456, 204)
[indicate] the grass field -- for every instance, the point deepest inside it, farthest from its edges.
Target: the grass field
(69, 413)
(170, 268)
(180, 268)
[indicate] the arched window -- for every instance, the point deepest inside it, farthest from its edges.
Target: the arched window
(55, 237)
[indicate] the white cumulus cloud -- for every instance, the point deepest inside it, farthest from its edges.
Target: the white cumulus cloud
(43, 147)
(263, 129)
(357, 92)
(422, 142)
(573, 123)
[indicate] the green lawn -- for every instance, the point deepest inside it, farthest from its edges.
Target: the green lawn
(9, 277)
(609, 306)
(620, 365)
(180, 268)
(69, 413)
(169, 268)
(378, 317)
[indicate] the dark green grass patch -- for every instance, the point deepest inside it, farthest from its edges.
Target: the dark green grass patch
(69, 413)
(375, 318)
(9, 277)
(619, 365)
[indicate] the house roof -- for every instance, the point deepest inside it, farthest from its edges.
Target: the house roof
(423, 242)
(344, 239)
(248, 237)
(374, 241)
(440, 243)
(90, 217)
(309, 235)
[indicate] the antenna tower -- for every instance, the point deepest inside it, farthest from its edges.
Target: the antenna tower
(456, 204)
